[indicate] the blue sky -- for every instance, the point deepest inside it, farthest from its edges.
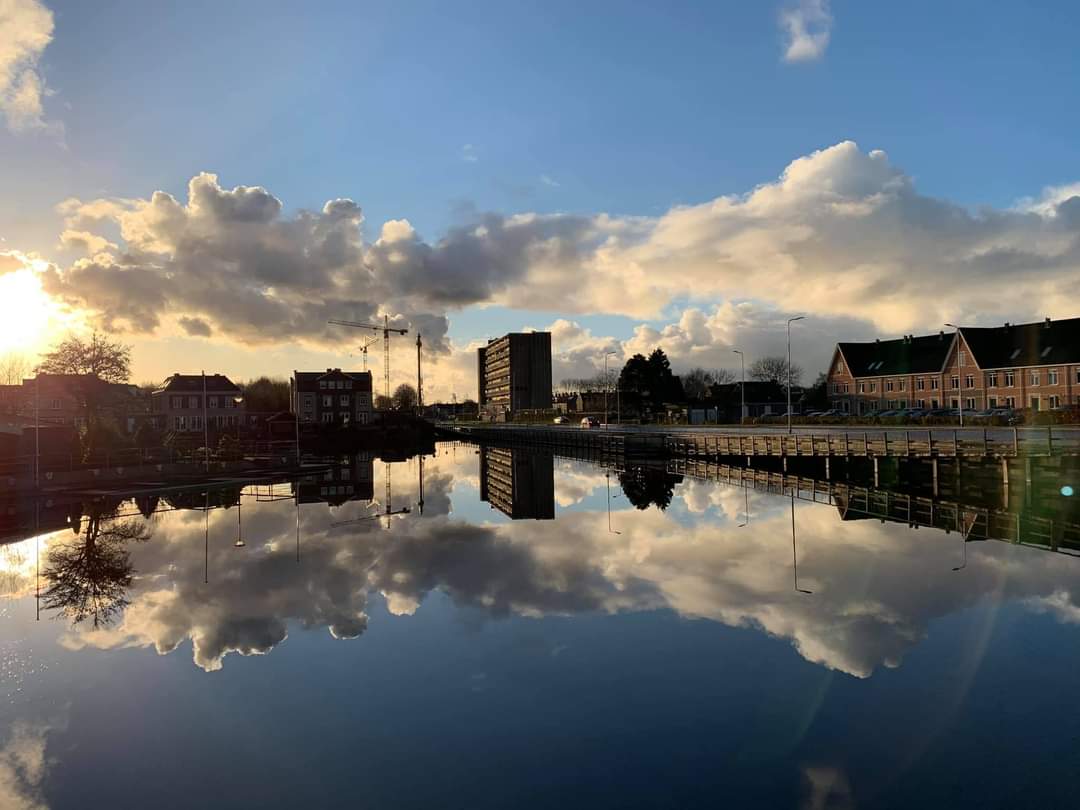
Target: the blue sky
(421, 111)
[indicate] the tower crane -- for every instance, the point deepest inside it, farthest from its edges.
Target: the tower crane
(364, 347)
(386, 331)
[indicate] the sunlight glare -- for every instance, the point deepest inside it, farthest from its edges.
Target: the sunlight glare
(28, 317)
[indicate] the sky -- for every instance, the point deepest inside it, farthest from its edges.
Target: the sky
(212, 182)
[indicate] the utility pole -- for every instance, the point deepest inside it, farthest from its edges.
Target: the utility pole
(37, 428)
(205, 425)
(419, 377)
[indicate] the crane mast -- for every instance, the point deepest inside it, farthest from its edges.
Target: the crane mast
(386, 331)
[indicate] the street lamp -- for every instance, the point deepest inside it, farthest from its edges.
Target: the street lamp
(607, 385)
(789, 322)
(742, 386)
(960, 398)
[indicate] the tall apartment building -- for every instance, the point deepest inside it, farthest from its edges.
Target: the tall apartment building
(331, 396)
(1031, 365)
(514, 373)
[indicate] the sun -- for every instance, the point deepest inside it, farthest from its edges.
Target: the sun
(29, 319)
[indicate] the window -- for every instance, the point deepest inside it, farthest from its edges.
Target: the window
(873, 387)
(955, 381)
(196, 423)
(343, 400)
(1055, 401)
(991, 379)
(935, 403)
(992, 402)
(969, 403)
(920, 403)
(1010, 379)
(963, 358)
(1010, 402)
(954, 403)
(1078, 375)
(1035, 403)
(180, 423)
(212, 402)
(969, 381)
(176, 403)
(193, 402)
(56, 404)
(328, 416)
(888, 385)
(920, 384)
(1034, 378)
(348, 385)
(328, 401)
(933, 383)
(322, 383)
(862, 388)
(1052, 376)
(903, 385)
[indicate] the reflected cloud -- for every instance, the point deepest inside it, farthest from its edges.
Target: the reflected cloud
(23, 765)
(876, 587)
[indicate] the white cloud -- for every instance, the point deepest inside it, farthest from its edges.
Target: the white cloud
(26, 29)
(468, 153)
(842, 236)
(548, 181)
(22, 767)
(807, 26)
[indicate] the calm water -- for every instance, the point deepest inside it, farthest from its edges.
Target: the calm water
(597, 651)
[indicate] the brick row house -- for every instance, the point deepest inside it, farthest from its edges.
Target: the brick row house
(63, 399)
(1034, 365)
(177, 405)
(331, 396)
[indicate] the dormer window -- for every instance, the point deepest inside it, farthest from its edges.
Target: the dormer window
(1046, 351)
(1015, 354)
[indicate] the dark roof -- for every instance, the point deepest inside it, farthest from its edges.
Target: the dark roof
(194, 383)
(906, 355)
(362, 377)
(1027, 344)
(756, 391)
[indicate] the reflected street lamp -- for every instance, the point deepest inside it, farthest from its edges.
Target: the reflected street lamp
(794, 558)
(607, 476)
(239, 526)
(789, 322)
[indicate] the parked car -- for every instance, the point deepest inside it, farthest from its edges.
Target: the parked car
(561, 420)
(833, 413)
(590, 422)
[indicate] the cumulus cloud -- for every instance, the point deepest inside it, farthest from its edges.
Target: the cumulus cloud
(22, 767)
(842, 236)
(807, 26)
(26, 29)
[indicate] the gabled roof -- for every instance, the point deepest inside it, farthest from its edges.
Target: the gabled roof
(908, 355)
(193, 383)
(362, 378)
(1027, 344)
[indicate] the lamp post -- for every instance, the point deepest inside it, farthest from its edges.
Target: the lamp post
(789, 322)
(205, 425)
(37, 428)
(607, 385)
(239, 526)
(960, 398)
(742, 386)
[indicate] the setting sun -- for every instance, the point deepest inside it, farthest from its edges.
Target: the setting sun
(28, 317)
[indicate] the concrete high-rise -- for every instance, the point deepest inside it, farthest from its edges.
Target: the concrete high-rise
(514, 374)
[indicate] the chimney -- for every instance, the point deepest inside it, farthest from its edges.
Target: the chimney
(1006, 326)
(877, 340)
(1046, 324)
(941, 335)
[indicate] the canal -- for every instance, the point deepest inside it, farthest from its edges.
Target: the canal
(498, 627)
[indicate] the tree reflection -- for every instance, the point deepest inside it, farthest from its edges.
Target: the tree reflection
(90, 574)
(646, 486)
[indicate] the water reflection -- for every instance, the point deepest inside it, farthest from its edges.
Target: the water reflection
(849, 593)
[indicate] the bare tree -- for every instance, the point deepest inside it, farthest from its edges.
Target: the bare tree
(13, 368)
(89, 576)
(404, 398)
(698, 382)
(108, 360)
(774, 369)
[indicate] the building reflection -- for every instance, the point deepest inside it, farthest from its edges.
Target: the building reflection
(350, 478)
(519, 483)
